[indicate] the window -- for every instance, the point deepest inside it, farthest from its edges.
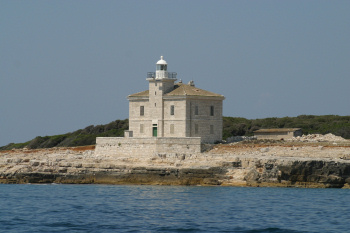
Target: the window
(172, 129)
(155, 93)
(142, 110)
(211, 129)
(211, 110)
(141, 128)
(196, 128)
(196, 110)
(161, 67)
(172, 110)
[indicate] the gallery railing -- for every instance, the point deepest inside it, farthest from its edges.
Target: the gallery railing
(171, 75)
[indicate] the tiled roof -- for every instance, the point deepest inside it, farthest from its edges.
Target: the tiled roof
(184, 89)
(181, 90)
(141, 94)
(276, 130)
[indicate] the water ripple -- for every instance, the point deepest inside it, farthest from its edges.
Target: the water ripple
(104, 208)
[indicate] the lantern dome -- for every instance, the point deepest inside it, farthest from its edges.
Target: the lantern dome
(162, 61)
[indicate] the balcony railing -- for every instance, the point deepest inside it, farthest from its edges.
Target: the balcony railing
(171, 75)
(151, 74)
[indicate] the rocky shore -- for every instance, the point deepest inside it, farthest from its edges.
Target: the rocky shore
(258, 164)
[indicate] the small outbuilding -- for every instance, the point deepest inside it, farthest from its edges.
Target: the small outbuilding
(278, 134)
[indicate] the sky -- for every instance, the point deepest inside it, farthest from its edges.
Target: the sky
(65, 65)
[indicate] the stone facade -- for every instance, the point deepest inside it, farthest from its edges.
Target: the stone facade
(278, 134)
(191, 118)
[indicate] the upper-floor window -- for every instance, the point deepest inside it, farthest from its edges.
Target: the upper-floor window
(196, 110)
(142, 110)
(211, 110)
(172, 110)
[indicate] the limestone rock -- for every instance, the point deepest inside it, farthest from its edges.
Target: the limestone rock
(34, 163)
(318, 138)
(309, 166)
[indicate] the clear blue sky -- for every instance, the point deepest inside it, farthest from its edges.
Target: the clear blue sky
(65, 65)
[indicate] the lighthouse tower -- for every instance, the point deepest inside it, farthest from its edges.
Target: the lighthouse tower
(160, 83)
(161, 79)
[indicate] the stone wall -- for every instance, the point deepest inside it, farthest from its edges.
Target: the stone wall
(135, 120)
(145, 147)
(204, 120)
(186, 121)
(275, 136)
(178, 120)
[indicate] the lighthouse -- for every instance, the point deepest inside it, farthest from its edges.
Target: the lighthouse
(169, 117)
(170, 109)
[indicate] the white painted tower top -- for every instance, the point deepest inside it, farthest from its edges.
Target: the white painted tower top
(162, 61)
(161, 72)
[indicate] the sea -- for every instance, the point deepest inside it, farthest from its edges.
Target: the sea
(142, 208)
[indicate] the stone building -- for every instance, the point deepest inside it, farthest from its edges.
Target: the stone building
(170, 117)
(170, 109)
(278, 134)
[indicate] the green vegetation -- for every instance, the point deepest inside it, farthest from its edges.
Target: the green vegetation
(232, 126)
(337, 125)
(80, 137)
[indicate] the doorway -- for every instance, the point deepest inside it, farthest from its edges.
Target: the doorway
(155, 130)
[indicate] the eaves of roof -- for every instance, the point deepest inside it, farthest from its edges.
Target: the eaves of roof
(276, 130)
(182, 90)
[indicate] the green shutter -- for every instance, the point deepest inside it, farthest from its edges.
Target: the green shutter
(155, 132)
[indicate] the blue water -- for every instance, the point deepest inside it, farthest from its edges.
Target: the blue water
(108, 208)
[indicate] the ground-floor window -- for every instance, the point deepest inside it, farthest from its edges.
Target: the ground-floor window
(141, 128)
(172, 129)
(196, 128)
(211, 129)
